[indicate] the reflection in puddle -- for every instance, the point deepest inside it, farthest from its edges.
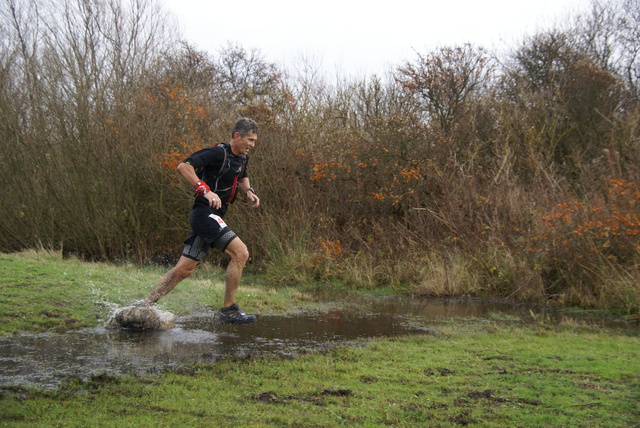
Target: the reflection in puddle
(45, 360)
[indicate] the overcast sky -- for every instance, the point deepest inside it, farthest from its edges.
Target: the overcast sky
(354, 37)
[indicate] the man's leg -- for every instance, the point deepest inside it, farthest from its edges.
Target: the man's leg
(239, 254)
(231, 313)
(183, 269)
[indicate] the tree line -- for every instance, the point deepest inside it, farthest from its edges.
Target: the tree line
(459, 172)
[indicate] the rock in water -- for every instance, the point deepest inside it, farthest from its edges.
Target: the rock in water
(142, 317)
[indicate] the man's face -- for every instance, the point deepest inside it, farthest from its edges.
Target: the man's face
(242, 144)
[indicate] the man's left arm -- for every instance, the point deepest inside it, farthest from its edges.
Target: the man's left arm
(246, 188)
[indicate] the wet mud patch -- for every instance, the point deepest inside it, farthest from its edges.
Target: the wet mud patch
(46, 360)
(99, 354)
(491, 396)
(269, 397)
(319, 399)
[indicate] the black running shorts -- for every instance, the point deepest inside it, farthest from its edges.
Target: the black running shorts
(207, 230)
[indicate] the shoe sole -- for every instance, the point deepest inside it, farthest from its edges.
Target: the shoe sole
(249, 321)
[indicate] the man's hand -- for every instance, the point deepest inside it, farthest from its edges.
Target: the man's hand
(204, 190)
(214, 200)
(253, 198)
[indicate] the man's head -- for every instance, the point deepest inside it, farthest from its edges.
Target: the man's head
(244, 127)
(244, 136)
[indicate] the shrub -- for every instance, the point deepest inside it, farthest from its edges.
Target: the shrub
(586, 250)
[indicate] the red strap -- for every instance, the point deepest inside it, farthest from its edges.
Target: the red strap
(233, 189)
(201, 188)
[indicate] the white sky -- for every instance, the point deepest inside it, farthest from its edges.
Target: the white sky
(355, 37)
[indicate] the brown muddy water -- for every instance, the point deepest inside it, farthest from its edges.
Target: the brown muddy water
(47, 360)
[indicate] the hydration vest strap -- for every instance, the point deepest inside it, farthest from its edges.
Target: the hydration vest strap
(234, 188)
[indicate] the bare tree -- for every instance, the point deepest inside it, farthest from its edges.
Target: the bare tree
(71, 73)
(244, 76)
(445, 80)
(610, 35)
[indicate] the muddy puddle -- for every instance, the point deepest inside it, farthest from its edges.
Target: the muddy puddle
(46, 360)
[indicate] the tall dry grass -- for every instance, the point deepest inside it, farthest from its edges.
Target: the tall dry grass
(440, 178)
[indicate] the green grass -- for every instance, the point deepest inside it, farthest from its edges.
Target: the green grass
(484, 375)
(41, 291)
(504, 377)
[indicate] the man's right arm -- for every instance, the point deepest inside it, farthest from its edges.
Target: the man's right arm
(189, 174)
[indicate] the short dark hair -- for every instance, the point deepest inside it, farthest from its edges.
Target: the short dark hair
(245, 126)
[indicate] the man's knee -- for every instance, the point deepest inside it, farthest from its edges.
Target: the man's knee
(184, 269)
(238, 251)
(242, 255)
(245, 255)
(183, 273)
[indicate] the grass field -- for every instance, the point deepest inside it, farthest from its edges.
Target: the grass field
(489, 375)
